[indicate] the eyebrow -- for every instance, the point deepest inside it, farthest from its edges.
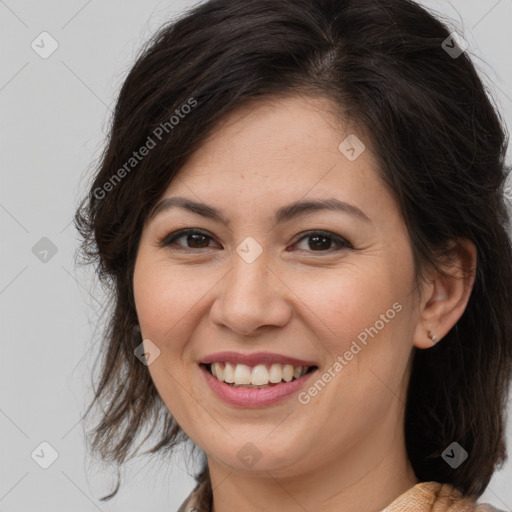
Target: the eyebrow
(283, 214)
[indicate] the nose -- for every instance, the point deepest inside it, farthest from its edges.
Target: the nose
(250, 297)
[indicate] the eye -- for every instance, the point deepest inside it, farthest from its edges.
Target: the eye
(320, 241)
(196, 238)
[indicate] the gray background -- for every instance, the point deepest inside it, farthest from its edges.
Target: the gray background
(55, 114)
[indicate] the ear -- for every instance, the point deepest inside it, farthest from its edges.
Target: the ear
(444, 297)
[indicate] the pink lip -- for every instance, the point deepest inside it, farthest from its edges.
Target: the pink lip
(245, 397)
(254, 359)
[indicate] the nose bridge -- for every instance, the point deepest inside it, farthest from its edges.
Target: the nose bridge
(248, 290)
(250, 275)
(251, 295)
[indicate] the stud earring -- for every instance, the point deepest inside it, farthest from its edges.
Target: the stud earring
(433, 338)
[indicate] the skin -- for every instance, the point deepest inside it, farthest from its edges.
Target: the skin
(344, 449)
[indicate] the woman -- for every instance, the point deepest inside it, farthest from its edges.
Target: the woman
(300, 216)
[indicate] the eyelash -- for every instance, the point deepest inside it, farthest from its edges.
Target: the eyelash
(169, 240)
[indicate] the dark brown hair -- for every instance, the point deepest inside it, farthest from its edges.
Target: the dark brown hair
(440, 142)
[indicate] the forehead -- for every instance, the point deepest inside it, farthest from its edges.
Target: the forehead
(286, 148)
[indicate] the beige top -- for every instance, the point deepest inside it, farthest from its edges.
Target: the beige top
(423, 497)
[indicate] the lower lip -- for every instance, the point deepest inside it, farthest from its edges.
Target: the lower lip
(245, 397)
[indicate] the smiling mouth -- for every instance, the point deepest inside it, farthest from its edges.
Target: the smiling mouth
(256, 377)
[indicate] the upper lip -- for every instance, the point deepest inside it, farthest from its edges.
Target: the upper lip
(254, 359)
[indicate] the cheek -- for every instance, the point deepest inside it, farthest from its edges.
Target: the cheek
(151, 298)
(342, 304)
(164, 300)
(165, 295)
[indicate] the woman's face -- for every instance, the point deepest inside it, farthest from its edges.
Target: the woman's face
(264, 282)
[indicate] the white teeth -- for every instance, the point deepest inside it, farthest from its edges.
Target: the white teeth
(229, 373)
(276, 373)
(288, 372)
(242, 374)
(259, 375)
(218, 371)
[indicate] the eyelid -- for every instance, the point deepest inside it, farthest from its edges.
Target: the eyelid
(340, 241)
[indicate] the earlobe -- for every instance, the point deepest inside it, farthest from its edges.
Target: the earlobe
(432, 336)
(447, 295)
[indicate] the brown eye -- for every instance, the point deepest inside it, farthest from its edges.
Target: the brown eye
(194, 239)
(318, 241)
(321, 241)
(197, 240)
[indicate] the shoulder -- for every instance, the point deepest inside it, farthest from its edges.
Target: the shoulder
(485, 507)
(189, 505)
(436, 497)
(193, 501)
